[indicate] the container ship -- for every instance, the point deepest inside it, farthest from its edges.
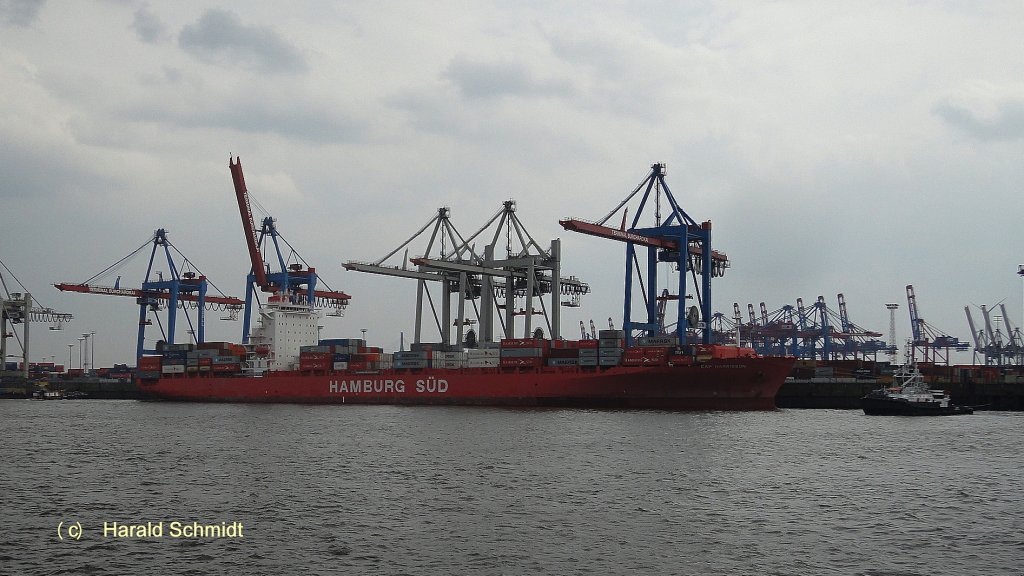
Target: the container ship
(285, 362)
(283, 358)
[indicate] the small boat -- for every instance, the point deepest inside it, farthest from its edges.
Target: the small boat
(910, 396)
(48, 395)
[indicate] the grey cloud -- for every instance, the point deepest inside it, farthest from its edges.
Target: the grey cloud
(430, 111)
(148, 26)
(486, 80)
(1006, 124)
(20, 12)
(299, 121)
(308, 123)
(221, 38)
(33, 170)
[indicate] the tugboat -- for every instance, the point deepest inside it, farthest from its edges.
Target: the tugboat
(910, 396)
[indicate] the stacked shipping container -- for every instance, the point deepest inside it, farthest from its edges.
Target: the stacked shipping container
(352, 354)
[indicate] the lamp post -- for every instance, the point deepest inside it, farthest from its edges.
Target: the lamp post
(70, 363)
(85, 353)
(1020, 272)
(80, 340)
(92, 360)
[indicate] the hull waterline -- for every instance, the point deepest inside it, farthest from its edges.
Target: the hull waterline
(728, 384)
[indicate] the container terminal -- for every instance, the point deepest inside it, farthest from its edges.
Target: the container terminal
(834, 361)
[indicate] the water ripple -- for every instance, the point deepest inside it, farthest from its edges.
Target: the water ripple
(405, 490)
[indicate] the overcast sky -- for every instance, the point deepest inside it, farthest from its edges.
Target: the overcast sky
(836, 146)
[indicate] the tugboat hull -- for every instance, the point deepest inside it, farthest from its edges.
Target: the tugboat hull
(882, 406)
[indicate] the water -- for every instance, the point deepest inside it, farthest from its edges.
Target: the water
(449, 490)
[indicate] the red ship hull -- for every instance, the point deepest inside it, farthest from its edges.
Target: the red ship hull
(719, 384)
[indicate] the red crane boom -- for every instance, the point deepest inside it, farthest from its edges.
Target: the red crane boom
(137, 293)
(583, 227)
(248, 225)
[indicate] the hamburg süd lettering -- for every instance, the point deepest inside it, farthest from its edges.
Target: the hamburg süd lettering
(367, 386)
(431, 384)
(428, 385)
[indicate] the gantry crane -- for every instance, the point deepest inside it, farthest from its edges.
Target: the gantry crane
(528, 272)
(448, 244)
(678, 240)
(295, 282)
(932, 344)
(525, 270)
(853, 341)
(996, 347)
(182, 289)
(18, 308)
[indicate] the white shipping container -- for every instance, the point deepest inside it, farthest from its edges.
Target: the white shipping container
(173, 369)
(341, 365)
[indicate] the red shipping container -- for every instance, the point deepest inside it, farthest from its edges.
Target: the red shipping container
(524, 343)
(724, 352)
(314, 364)
(227, 367)
(526, 361)
(638, 351)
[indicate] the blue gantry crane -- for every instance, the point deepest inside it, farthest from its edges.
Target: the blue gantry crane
(673, 238)
(183, 288)
(929, 344)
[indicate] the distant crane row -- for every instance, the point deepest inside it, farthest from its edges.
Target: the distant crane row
(810, 332)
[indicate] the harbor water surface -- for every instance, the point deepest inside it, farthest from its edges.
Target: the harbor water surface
(438, 490)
